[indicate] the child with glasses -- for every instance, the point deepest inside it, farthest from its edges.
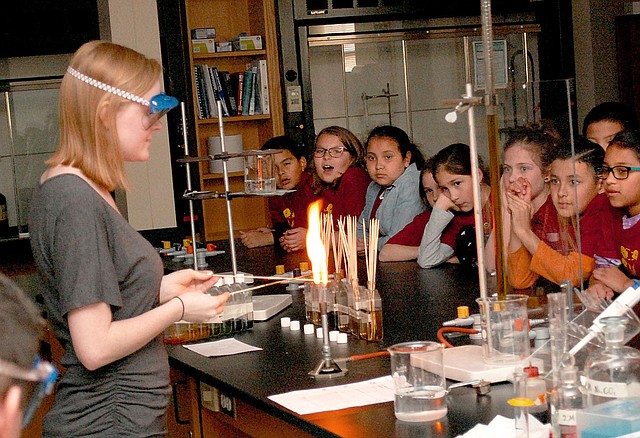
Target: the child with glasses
(605, 120)
(620, 174)
(339, 179)
(574, 189)
(288, 212)
(104, 289)
(393, 163)
(22, 327)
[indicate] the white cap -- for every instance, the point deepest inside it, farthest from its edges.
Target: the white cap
(342, 338)
(308, 329)
(295, 325)
(333, 335)
(285, 322)
(319, 332)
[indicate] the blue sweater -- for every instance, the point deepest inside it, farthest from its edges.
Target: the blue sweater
(400, 204)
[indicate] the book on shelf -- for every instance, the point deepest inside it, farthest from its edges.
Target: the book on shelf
(215, 77)
(203, 111)
(252, 95)
(246, 91)
(237, 80)
(209, 92)
(229, 94)
(264, 86)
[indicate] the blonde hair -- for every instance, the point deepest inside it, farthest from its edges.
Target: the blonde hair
(85, 142)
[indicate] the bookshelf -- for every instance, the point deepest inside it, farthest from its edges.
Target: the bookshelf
(230, 18)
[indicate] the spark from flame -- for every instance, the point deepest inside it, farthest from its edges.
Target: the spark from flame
(315, 249)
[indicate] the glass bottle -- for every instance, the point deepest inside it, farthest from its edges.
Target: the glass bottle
(568, 398)
(612, 372)
(342, 306)
(333, 289)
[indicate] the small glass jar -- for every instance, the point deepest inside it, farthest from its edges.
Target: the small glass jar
(612, 372)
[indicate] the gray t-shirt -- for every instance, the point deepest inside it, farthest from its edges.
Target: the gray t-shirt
(88, 253)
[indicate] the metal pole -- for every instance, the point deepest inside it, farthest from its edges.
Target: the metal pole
(227, 191)
(185, 141)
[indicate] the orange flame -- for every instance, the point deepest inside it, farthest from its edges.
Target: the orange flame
(315, 249)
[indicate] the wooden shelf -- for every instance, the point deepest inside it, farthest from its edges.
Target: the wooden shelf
(234, 119)
(236, 54)
(220, 175)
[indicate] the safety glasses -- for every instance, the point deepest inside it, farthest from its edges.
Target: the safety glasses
(39, 382)
(159, 105)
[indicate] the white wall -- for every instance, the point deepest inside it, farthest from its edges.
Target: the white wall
(149, 200)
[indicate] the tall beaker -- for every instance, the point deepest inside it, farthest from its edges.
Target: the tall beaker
(505, 329)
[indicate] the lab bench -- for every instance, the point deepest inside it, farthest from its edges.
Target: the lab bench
(229, 394)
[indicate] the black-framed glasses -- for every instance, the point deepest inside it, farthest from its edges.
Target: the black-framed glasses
(619, 172)
(333, 152)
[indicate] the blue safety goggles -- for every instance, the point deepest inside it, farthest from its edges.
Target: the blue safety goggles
(159, 105)
(39, 382)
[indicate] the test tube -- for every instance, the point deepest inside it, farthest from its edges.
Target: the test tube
(520, 403)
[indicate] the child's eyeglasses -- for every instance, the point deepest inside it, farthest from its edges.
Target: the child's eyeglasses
(40, 382)
(333, 152)
(159, 105)
(619, 172)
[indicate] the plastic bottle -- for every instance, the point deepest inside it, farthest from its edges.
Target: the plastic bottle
(536, 390)
(569, 398)
(4, 218)
(612, 372)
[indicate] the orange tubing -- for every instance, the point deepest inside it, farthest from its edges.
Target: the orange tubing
(368, 356)
(443, 330)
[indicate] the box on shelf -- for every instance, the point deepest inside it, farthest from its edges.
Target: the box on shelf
(224, 46)
(203, 46)
(248, 42)
(203, 33)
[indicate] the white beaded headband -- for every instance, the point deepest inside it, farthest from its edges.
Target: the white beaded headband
(108, 88)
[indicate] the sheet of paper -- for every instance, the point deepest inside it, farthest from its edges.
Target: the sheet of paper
(332, 398)
(224, 347)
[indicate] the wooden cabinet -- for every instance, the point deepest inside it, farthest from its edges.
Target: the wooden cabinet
(230, 18)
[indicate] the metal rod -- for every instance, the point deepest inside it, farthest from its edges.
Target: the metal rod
(407, 94)
(304, 278)
(185, 140)
(232, 243)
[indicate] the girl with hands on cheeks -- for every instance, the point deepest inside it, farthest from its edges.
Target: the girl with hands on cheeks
(574, 192)
(104, 289)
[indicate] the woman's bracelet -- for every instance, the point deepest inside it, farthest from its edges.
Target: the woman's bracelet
(181, 302)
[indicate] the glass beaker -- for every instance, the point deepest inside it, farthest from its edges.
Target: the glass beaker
(417, 369)
(505, 329)
(259, 173)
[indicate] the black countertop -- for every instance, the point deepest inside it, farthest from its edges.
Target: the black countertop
(415, 303)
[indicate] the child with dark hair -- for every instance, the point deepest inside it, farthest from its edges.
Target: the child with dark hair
(288, 212)
(392, 196)
(340, 179)
(404, 245)
(605, 120)
(449, 234)
(620, 174)
(574, 191)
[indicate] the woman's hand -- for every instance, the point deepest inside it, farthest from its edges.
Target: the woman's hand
(200, 307)
(521, 213)
(294, 239)
(184, 281)
(520, 188)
